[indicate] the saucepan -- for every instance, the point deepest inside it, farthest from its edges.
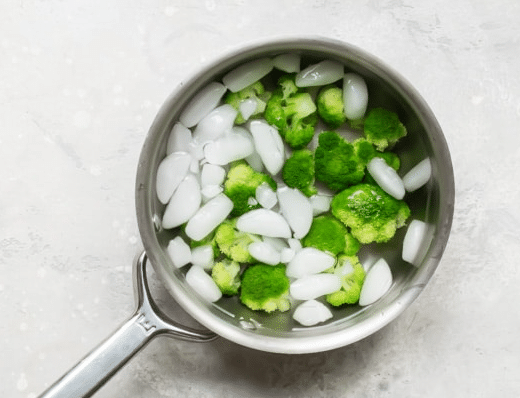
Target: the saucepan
(433, 203)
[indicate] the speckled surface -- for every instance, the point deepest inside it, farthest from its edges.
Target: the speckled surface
(80, 83)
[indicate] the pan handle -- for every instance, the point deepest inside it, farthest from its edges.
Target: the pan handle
(86, 377)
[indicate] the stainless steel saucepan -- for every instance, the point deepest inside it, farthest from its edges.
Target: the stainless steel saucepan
(229, 319)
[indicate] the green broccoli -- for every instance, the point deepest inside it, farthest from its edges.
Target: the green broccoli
(287, 85)
(326, 234)
(266, 288)
(352, 245)
(234, 243)
(383, 128)
(364, 150)
(293, 112)
(336, 162)
(371, 214)
(352, 276)
(255, 91)
(298, 172)
(226, 274)
(240, 186)
(274, 111)
(331, 106)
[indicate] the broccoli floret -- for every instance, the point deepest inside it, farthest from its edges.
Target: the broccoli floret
(352, 245)
(274, 111)
(364, 150)
(266, 288)
(255, 91)
(234, 243)
(240, 186)
(326, 234)
(298, 172)
(383, 128)
(352, 275)
(331, 106)
(287, 85)
(336, 162)
(300, 133)
(293, 112)
(371, 214)
(226, 275)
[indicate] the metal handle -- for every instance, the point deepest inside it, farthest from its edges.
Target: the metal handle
(85, 378)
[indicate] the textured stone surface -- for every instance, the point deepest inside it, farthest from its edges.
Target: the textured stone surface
(80, 83)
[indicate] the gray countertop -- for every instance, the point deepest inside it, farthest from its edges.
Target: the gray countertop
(80, 83)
